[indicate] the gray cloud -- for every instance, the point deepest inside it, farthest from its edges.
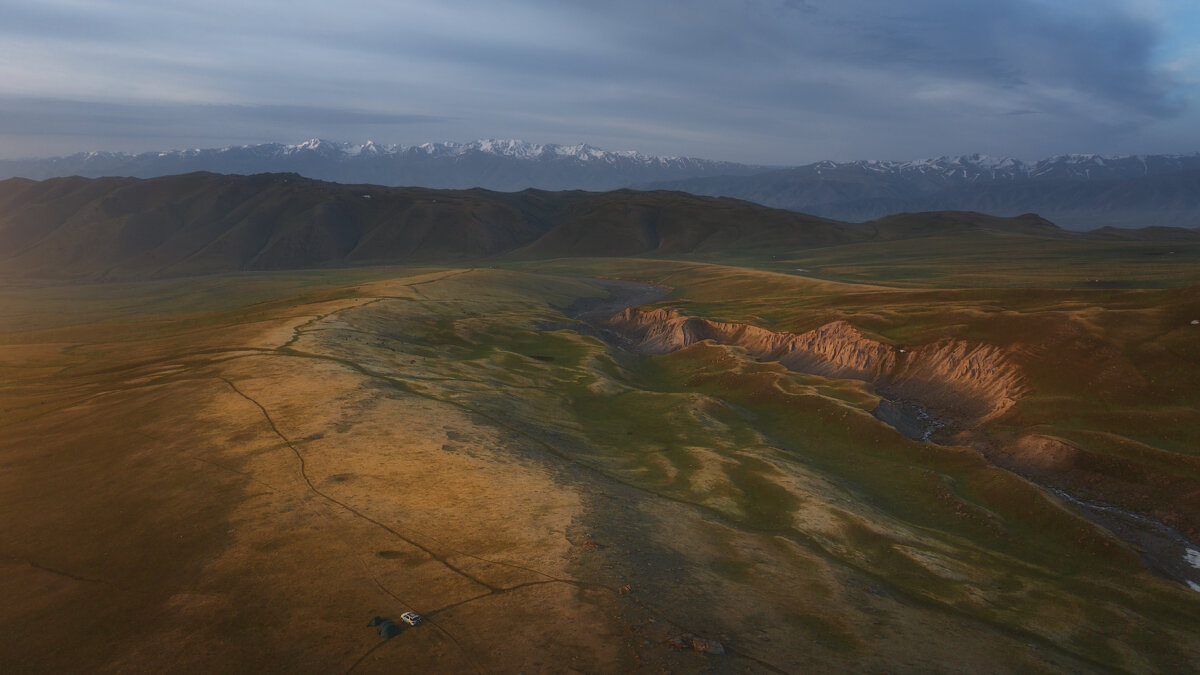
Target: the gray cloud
(140, 127)
(781, 81)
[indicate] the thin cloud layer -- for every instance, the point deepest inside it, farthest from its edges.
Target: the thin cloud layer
(765, 81)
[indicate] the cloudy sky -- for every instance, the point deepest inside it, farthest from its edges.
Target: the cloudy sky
(762, 81)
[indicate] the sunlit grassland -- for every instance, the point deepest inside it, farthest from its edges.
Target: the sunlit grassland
(55, 335)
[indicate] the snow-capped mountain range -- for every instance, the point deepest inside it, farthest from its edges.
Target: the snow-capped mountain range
(494, 164)
(1081, 191)
(476, 164)
(514, 149)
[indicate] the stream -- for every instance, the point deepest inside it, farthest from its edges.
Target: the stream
(910, 419)
(1163, 548)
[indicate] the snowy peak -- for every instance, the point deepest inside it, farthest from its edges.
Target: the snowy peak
(368, 149)
(319, 146)
(507, 148)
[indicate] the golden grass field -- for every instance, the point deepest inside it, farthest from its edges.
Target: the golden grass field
(234, 473)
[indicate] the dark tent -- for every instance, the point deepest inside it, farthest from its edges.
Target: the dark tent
(388, 629)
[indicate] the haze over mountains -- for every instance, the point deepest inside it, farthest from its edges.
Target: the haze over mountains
(1079, 192)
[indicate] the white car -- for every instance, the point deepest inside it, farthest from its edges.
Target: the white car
(411, 618)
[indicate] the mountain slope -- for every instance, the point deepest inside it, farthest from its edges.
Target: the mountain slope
(203, 223)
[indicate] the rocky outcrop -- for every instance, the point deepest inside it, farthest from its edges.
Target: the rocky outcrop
(967, 381)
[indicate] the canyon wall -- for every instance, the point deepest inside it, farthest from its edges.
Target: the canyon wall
(967, 381)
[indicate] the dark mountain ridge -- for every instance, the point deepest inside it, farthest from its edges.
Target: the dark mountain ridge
(201, 223)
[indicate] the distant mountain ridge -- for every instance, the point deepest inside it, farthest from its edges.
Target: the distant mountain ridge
(505, 165)
(1080, 192)
(978, 167)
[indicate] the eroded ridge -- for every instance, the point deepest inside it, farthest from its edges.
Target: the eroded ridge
(969, 381)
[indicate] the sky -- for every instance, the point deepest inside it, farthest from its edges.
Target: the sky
(779, 82)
